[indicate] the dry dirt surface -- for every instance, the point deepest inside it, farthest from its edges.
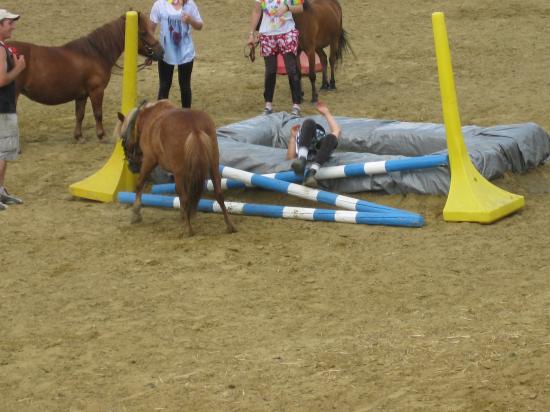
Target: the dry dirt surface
(97, 314)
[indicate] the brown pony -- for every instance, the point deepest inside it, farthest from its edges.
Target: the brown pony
(80, 68)
(180, 141)
(320, 26)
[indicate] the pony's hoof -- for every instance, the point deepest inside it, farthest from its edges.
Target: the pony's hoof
(231, 229)
(136, 218)
(80, 140)
(325, 87)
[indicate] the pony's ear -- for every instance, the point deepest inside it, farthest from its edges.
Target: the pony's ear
(121, 117)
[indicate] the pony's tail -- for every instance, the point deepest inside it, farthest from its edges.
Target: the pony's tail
(344, 46)
(198, 156)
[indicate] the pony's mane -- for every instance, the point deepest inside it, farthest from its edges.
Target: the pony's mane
(106, 42)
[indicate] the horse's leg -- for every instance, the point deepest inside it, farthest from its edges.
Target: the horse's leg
(147, 167)
(182, 194)
(217, 182)
(332, 61)
(96, 97)
(312, 76)
(80, 108)
(324, 62)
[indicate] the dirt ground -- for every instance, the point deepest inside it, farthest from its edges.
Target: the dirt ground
(100, 315)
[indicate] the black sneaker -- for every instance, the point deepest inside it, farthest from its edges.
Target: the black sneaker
(310, 180)
(3, 206)
(299, 165)
(267, 111)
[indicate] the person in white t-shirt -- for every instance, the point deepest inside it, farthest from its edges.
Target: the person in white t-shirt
(277, 35)
(176, 19)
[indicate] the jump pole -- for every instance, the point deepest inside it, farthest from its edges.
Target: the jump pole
(115, 176)
(274, 211)
(304, 192)
(334, 172)
(471, 197)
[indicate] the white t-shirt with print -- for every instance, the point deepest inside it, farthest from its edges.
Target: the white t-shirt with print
(175, 35)
(272, 24)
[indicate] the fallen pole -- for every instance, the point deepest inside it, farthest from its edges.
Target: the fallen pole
(275, 211)
(345, 202)
(334, 172)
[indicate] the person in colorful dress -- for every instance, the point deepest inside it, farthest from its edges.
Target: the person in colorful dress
(277, 35)
(11, 65)
(310, 142)
(176, 19)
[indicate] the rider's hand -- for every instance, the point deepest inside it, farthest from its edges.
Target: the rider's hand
(321, 107)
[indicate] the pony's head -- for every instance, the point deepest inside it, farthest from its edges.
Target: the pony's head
(127, 130)
(148, 45)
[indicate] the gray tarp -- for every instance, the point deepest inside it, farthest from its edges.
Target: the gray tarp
(259, 145)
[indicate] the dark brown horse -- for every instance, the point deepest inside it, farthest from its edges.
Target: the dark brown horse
(320, 26)
(180, 141)
(81, 68)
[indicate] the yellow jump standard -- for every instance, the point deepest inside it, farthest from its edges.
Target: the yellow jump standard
(115, 176)
(472, 198)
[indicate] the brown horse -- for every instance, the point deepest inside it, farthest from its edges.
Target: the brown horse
(320, 26)
(81, 68)
(181, 141)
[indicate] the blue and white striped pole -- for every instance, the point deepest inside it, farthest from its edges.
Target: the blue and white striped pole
(229, 183)
(284, 212)
(304, 192)
(336, 172)
(374, 168)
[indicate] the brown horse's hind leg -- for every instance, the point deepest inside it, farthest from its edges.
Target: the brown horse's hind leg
(184, 204)
(324, 63)
(217, 182)
(96, 97)
(332, 60)
(80, 108)
(312, 76)
(146, 168)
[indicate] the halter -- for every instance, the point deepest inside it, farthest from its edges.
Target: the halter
(132, 152)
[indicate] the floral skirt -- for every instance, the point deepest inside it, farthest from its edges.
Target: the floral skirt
(271, 45)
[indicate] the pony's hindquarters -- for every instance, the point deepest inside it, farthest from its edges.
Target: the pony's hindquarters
(200, 158)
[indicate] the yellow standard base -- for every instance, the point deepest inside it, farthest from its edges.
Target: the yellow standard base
(112, 178)
(472, 198)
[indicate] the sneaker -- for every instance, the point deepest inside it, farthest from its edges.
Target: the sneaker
(299, 165)
(267, 111)
(3, 206)
(309, 179)
(6, 198)
(295, 111)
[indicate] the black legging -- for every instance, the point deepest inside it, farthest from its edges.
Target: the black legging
(166, 73)
(291, 67)
(325, 149)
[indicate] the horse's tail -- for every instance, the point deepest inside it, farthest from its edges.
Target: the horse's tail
(198, 156)
(344, 46)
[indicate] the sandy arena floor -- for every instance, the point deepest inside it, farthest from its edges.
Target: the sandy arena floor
(100, 315)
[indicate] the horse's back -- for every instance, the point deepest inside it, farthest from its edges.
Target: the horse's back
(320, 23)
(169, 131)
(55, 75)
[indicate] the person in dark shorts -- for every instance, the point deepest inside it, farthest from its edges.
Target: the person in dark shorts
(11, 65)
(309, 142)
